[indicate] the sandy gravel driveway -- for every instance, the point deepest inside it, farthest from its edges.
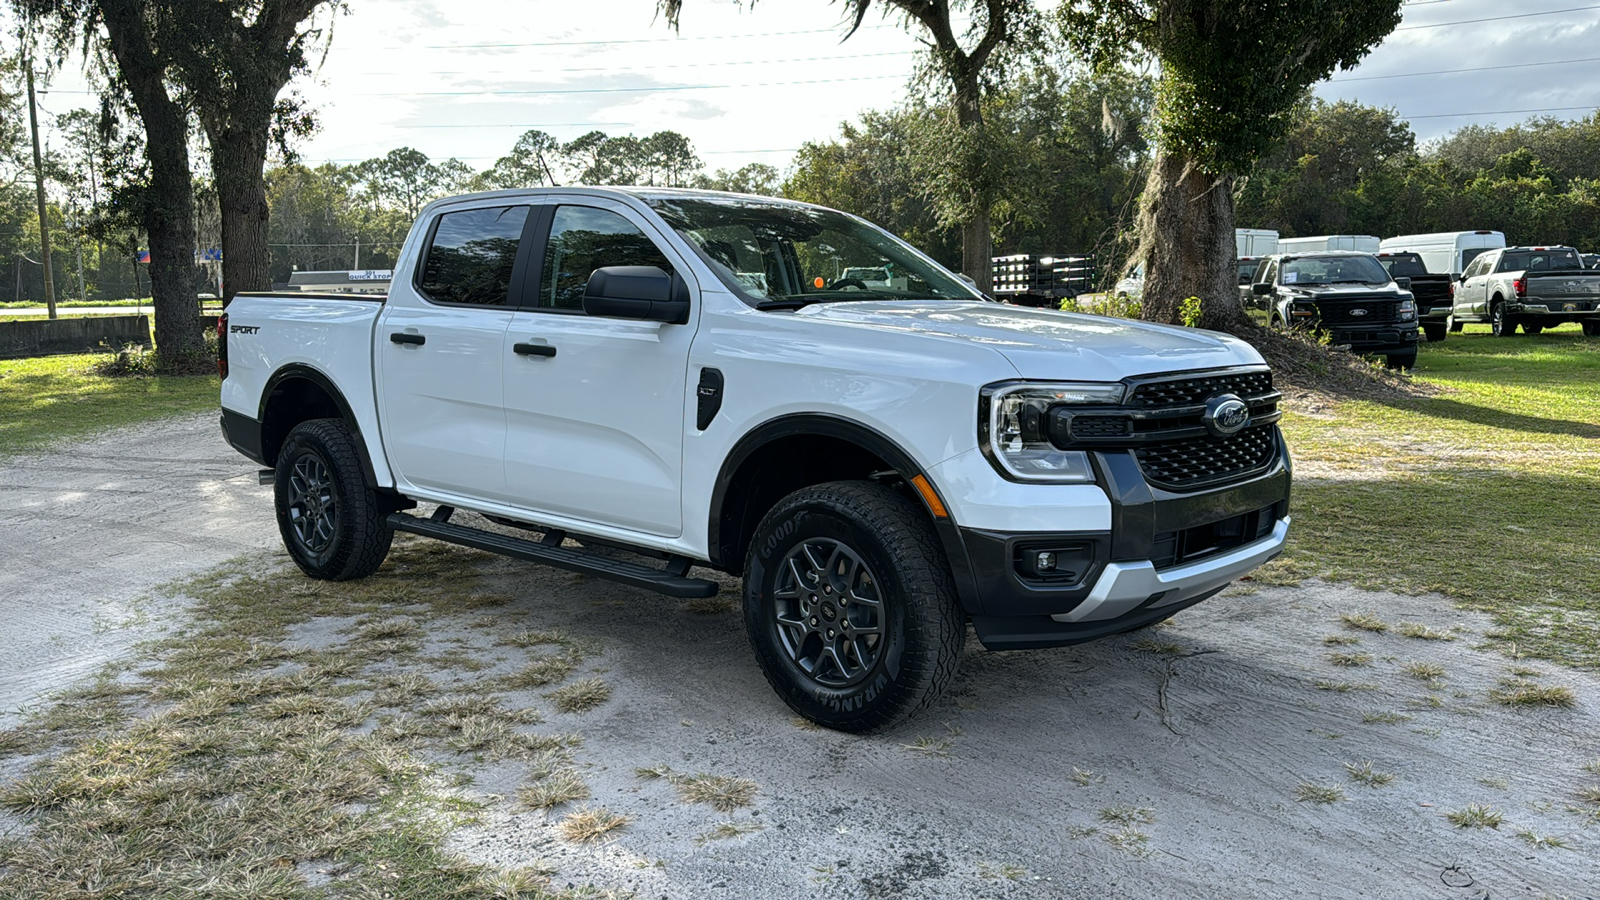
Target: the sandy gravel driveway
(1237, 752)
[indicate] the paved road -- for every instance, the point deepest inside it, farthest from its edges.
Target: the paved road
(89, 529)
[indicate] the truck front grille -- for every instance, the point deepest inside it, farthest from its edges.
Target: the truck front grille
(1197, 462)
(1196, 390)
(1359, 313)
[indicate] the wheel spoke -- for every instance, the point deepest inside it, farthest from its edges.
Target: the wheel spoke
(829, 615)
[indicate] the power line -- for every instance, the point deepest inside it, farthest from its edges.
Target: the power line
(530, 125)
(624, 90)
(1548, 12)
(655, 40)
(697, 65)
(1500, 112)
(1560, 62)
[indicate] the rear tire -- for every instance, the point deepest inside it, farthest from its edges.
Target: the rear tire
(1502, 324)
(1401, 360)
(330, 518)
(1455, 327)
(1531, 329)
(1591, 329)
(850, 606)
(1435, 333)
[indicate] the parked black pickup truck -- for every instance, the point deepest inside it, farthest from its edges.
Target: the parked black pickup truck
(1348, 296)
(1432, 292)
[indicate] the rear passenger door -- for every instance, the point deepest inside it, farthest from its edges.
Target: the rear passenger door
(595, 406)
(438, 348)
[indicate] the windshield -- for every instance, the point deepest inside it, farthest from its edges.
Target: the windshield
(1408, 265)
(1247, 269)
(772, 253)
(1354, 269)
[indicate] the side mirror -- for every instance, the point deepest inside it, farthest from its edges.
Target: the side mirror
(1403, 282)
(637, 292)
(1261, 289)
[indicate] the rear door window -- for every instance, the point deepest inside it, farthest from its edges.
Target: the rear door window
(471, 256)
(583, 239)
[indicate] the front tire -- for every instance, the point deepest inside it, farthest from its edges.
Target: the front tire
(330, 518)
(850, 606)
(1405, 360)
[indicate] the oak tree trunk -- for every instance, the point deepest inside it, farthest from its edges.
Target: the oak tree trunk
(168, 204)
(977, 242)
(238, 158)
(1186, 243)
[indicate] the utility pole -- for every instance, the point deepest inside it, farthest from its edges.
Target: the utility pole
(38, 187)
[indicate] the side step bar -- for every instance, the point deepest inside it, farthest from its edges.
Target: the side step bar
(671, 581)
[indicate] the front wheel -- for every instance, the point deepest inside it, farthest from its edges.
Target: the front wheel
(850, 606)
(1405, 360)
(330, 518)
(1591, 329)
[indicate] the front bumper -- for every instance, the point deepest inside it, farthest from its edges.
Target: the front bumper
(1383, 339)
(1163, 551)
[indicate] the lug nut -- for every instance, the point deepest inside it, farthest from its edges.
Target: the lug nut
(813, 620)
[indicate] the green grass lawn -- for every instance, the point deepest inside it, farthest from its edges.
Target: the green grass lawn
(1486, 492)
(49, 398)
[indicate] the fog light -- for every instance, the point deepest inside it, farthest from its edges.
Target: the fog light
(1045, 562)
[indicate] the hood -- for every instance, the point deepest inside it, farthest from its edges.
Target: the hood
(1348, 291)
(1047, 344)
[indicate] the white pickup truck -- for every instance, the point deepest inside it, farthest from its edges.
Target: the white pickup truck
(695, 378)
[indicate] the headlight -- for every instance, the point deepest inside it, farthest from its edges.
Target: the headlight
(1408, 310)
(1013, 429)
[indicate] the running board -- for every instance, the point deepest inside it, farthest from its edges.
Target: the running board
(671, 581)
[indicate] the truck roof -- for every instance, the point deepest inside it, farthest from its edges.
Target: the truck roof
(636, 192)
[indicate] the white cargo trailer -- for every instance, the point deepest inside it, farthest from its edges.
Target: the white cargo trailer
(1360, 243)
(1446, 252)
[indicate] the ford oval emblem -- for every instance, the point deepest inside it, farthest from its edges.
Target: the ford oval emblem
(1358, 312)
(1226, 415)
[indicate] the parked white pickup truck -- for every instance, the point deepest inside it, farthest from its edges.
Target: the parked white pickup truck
(697, 378)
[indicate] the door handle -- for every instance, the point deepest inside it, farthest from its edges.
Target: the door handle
(533, 349)
(401, 337)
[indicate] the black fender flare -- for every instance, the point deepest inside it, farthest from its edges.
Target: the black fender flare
(865, 436)
(301, 371)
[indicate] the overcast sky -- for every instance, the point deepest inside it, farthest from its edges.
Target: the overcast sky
(465, 78)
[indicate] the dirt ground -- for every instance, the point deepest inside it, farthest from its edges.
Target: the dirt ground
(1188, 760)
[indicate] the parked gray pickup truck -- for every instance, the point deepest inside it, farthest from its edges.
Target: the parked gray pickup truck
(1534, 287)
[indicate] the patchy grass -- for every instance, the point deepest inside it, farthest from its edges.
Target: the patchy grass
(1350, 660)
(1365, 773)
(51, 398)
(1384, 717)
(229, 761)
(930, 746)
(1151, 645)
(1527, 693)
(1422, 632)
(723, 793)
(1364, 620)
(1344, 687)
(1341, 640)
(542, 672)
(1424, 671)
(589, 825)
(1306, 792)
(1475, 815)
(1543, 841)
(555, 789)
(581, 696)
(1483, 473)
(1128, 815)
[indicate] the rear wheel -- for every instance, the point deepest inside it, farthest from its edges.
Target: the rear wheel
(1456, 327)
(1435, 333)
(1500, 322)
(1532, 329)
(330, 518)
(1591, 329)
(850, 606)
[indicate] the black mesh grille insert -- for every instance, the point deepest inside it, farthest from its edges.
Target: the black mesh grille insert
(1197, 461)
(1359, 312)
(1194, 391)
